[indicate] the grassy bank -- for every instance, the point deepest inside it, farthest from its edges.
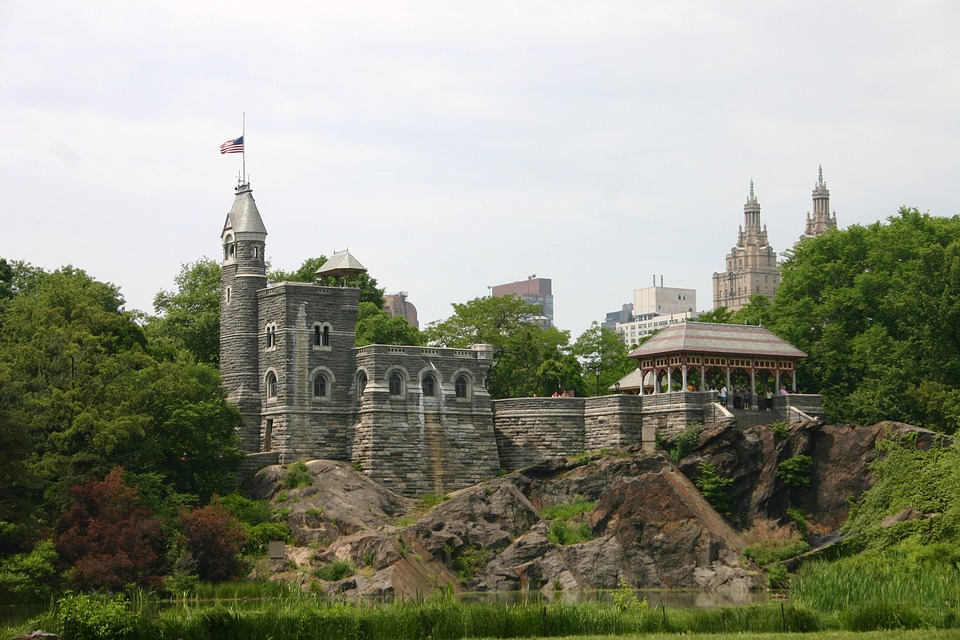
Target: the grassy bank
(303, 616)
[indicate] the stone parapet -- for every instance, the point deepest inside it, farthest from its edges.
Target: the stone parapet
(531, 430)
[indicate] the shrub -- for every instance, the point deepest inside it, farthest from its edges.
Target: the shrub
(564, 532)
(567, 510)
(780, 430)
(108, 538)
(336, 570)
(297, 476)
(795, 471)
(260, 535)
(684, 443)
(471, 559)
(27, 577)
(246, 510)
(769, 542)
(93, 617)
(714, 487)
(213, 538)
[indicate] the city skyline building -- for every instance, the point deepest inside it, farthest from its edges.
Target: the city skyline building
(752, 267)
(533, 290)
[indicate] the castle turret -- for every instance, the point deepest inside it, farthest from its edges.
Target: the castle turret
(244, 273)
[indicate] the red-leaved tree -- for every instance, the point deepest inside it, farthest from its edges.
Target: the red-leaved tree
(214, 538)
(108, 538)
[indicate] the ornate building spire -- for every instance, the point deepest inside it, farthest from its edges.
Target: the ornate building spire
(821, 220)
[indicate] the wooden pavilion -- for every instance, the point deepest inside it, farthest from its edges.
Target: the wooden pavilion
(668, 360)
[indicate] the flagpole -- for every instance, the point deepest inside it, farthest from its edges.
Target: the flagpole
(243, 134)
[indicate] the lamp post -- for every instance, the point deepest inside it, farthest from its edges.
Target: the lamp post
(596, 370)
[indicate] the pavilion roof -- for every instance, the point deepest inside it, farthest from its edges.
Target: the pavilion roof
(725, 339)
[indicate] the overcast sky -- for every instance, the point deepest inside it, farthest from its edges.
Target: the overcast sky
(457, 145)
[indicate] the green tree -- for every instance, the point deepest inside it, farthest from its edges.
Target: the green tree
(376, 326)
(190, 315)
(720, 315)
(603, 356)
(520, 348)
(88, 397)
(876, 310)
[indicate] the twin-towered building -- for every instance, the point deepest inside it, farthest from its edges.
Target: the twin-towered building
(752, 266)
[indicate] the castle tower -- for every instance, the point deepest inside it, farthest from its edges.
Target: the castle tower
(821, 221)
(244, 273)
(751, 263)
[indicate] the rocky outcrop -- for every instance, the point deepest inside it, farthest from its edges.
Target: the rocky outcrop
(648, 524)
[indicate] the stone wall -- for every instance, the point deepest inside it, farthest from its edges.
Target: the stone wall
(612, 422)
(417, 443)
(531, 430)
(670, 413)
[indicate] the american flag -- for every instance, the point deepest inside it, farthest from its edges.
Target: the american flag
(232, 146)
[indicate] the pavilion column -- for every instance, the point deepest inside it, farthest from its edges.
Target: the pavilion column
(778, 381)
(753, 387)
(729, 385)
(793, 376)
(703, 377)
(683, 375)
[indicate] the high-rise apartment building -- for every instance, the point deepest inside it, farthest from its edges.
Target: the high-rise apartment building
(533, 290)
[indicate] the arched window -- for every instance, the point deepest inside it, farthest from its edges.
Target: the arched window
(396, 384)
(271, 385)
(361, 383)
(321, 336)
(320, 386)
(429, 385)
(460, 386)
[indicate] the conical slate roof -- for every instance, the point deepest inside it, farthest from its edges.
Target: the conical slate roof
(341, 264)
(244, 217)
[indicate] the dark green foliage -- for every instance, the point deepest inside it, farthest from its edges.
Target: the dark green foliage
(795, 471)
(190, 316)
(29, 577)
(780, 430)
(604, 358)
(877, 309)
(714, 487)
(567, 510)
(527, 359)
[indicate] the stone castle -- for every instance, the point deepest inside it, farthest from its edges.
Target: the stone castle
(417, 419)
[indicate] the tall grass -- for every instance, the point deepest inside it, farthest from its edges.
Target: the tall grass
(896, 589)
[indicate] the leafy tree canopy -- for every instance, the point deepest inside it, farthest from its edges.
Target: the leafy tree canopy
(376, 326)
(528, 359)
(877, 309)
(82, 395)
(190, 315)
(603, 356)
